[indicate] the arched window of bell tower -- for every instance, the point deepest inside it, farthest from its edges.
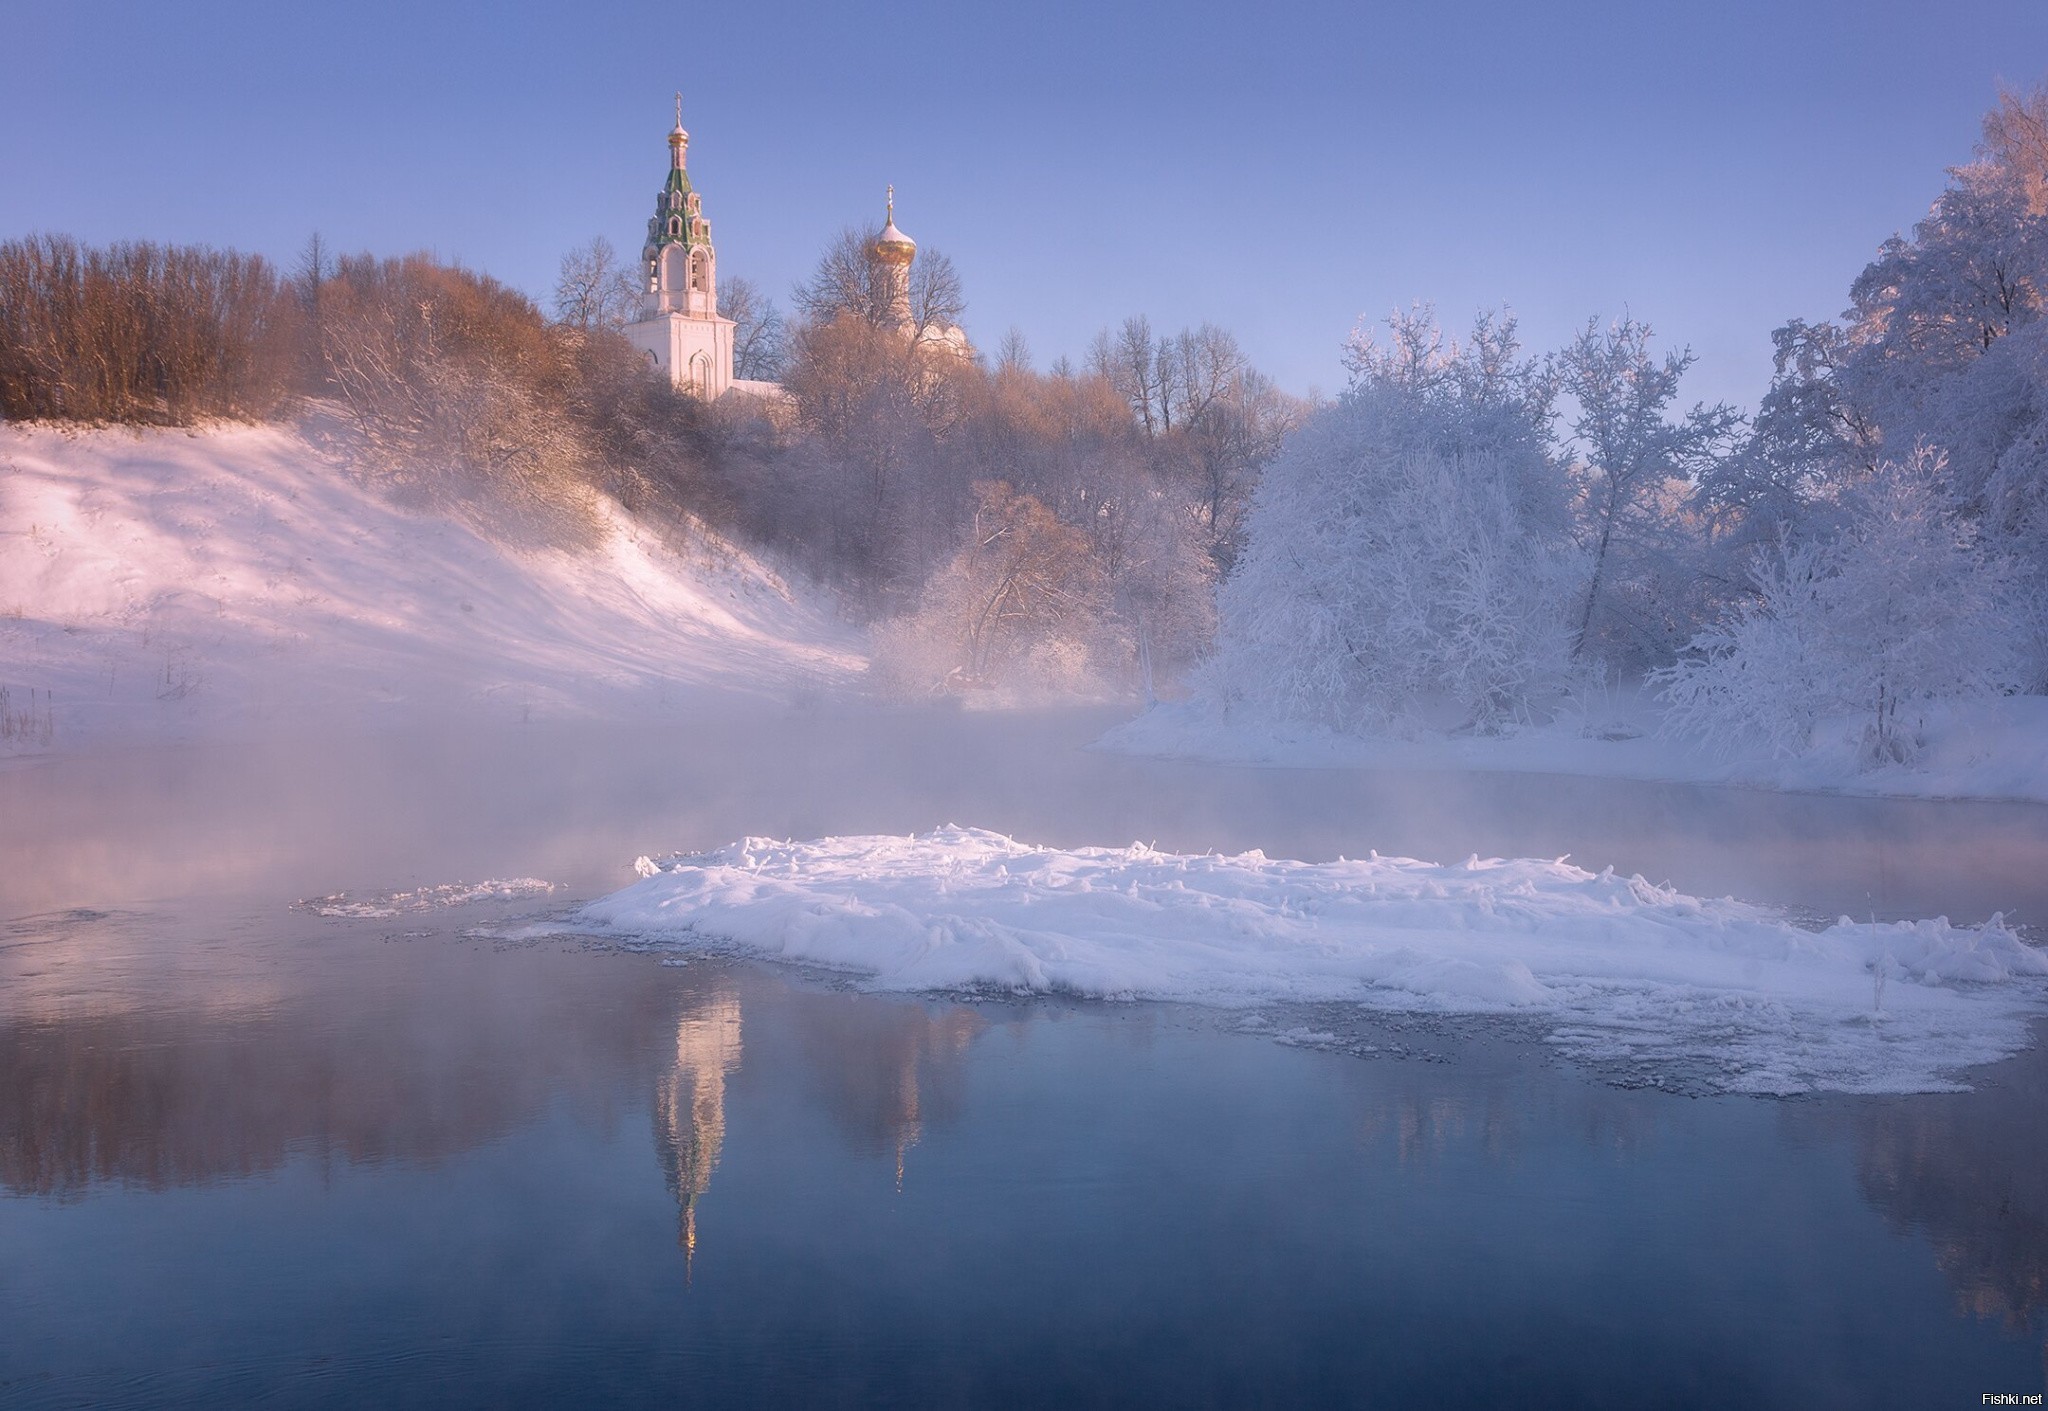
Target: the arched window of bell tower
(673, 269)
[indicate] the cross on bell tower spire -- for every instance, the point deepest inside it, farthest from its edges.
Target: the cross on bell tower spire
(680, 327)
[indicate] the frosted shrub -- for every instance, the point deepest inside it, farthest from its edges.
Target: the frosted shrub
(1900, 609)
(1024, 603)
(1380, 580)
(1760, 674)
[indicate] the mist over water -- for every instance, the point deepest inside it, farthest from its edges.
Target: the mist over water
(574, 804)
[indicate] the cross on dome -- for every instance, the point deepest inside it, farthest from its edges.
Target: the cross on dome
(893, 246)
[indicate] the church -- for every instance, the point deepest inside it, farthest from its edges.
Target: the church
(679, 327)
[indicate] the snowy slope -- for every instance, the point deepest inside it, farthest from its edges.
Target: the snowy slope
(1716, 993)
(244, 577)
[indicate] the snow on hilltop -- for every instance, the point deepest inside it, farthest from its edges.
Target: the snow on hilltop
(239, 576)
(1617, 969)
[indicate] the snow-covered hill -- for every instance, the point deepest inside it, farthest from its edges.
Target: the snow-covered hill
(240, 578)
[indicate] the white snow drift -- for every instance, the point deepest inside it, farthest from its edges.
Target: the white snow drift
(1732, 995)
(213, 580)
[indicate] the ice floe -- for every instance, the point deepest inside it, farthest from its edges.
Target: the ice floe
(1614, 969)
(374, 905)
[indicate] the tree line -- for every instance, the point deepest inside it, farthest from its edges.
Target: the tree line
(1470, 535)
(999, 526)
(461, 391)
(140, 333)
(1464, 538)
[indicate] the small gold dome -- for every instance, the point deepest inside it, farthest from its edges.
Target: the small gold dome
(894, 247)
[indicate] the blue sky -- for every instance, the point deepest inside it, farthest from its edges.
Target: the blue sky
(1279, 169)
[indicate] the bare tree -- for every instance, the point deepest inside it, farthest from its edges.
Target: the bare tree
(140, 333)
(937, 301)
(1014, 354)
(1023, 591)
(315, 266)
(1169, 381)
(1239, 428)
(851, 279)
(1213, 421)
(1130, 360)
(760, 337)
(310, 274)
(1206, 364)
(593, 291)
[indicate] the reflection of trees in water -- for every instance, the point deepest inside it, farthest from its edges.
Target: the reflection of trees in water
(1970, 1173)
(886, 1069)
(455, 1049)
(1429, 1111)
(1423, 1126)
(689, 1103)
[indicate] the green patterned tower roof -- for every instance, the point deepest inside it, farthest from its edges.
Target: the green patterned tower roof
(678, 212)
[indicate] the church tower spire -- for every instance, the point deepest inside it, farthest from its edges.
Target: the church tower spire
(678, 260)
(679, 326)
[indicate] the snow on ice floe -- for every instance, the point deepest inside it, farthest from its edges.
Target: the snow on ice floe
(1616, 969)
(376, 905)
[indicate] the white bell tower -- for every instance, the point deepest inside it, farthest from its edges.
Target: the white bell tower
(679, 328)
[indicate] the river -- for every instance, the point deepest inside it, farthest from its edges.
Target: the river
(252, 1152)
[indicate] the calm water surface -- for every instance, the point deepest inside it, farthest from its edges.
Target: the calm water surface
(249, 1153)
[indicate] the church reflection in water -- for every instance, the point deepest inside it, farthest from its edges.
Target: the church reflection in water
(689, 1103)
(882, 1071)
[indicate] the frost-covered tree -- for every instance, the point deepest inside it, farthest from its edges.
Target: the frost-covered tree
(1480, 396)
(1806, 442)
(1406, 557)
(1944, 344)
(1902, 608)
(1947, 345)
(1636, 462)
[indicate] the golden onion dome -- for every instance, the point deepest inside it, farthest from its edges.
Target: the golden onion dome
(678, 138)
(893, 246)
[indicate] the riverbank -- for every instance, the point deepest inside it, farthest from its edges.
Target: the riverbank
(1992, 749)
